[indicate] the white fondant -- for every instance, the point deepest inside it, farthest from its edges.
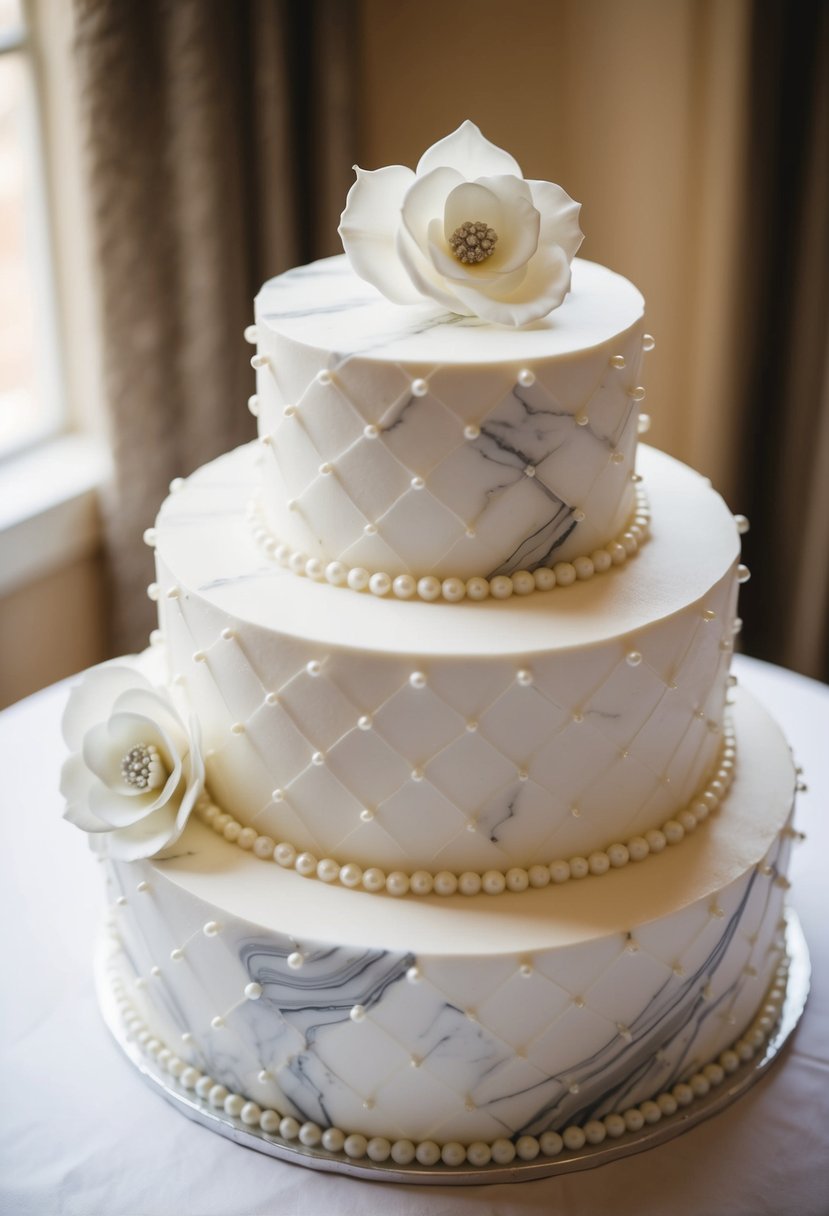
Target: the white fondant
(540, 1011)
(469, 439)
(627, 745)
(494, 882)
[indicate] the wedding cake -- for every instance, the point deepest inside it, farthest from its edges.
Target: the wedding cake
(433, 828)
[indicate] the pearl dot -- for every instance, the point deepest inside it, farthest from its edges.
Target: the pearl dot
(617, 457)
(370, 529)
(351, 875)
(743, 574)
(253, 991)
(417, 679)
(371, 431)
(454, 589)
(648, 342)
(324, 377)
(404, 586)
(358, 1013)
(358, 578)
(379, 584)
(633, 658)
(429, 587)
(637, 393)
(618, 361)
(477, 588)
(417, 483)
(374, 879)
(211, 928)
(742, 524)
(328, 870)
(419, 388)
(295, 960)
(582, 420)
(471, 432)
(524, 677)
(526, 378)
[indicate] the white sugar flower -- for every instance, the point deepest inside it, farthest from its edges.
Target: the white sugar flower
(465, 230)
(135, 771)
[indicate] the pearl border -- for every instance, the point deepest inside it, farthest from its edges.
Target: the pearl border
(491, 882)
(429, 587)
(453, 1153)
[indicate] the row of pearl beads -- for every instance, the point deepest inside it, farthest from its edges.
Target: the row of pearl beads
(490, 882)
(453, 1153)
(430, 587)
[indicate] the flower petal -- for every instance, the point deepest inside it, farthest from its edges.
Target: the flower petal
(144, 839)
(90, 701)
(75, 783)
(425, 200)
(107, 743)
(424, 276)
(527, 296)
(471, 201)
(559, 217)
(120, 810)
(450, 269)
(368, 226)
(519, 223)
(470, 153)
(155, 708)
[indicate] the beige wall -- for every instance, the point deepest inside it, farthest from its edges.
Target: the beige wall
(51, 628)
(635, 107)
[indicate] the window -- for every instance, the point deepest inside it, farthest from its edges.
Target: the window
(31, 405)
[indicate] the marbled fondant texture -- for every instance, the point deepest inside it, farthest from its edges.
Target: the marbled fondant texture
(403, 440)
(450, 736)
(474, 1021)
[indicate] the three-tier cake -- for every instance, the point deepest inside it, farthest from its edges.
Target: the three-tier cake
(486, 861)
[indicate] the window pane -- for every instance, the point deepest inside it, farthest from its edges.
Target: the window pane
(11, 15)
(24, 412)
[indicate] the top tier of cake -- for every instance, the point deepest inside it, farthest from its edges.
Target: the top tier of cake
(405, 440)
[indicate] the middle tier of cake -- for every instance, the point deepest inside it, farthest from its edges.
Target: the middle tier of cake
(457, 737)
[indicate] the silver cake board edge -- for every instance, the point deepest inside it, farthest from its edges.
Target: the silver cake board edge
(651, 1135)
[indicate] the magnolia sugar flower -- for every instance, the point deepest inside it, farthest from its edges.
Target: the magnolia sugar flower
(135, 771)
(465, 230)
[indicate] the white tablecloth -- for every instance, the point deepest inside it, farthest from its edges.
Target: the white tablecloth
(82, 1134)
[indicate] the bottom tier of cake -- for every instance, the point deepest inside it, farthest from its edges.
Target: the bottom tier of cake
(470, 1020)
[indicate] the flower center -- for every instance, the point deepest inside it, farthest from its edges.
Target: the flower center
(141, 767)
(473, 241)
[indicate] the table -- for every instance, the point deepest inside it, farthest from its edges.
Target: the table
(83, 1136)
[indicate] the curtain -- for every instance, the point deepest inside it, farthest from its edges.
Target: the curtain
(784, 470)
(218, 144)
